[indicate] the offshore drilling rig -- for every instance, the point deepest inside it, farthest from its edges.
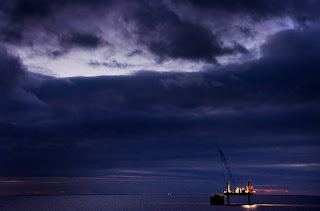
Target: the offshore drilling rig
(218, 199)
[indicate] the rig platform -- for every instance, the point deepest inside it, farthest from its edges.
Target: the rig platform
(218, 199)
(239, 192)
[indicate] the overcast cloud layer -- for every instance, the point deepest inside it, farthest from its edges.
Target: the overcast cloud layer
(65, 38)
(181, 80)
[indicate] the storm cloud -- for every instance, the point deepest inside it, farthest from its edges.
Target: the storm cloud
(239, 83)
(197, 31)
(166, 35)
(94, 127)
(11, 71)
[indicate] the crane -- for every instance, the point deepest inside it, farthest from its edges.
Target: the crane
(236, 190)
(223, 158)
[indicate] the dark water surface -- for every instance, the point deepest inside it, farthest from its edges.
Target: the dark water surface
(154, 202)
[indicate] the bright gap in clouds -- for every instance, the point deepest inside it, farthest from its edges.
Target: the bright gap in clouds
(126, 56)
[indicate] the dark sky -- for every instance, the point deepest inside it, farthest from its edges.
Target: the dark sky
(116, 97)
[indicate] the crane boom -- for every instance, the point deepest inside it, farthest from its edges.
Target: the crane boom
(227, 167)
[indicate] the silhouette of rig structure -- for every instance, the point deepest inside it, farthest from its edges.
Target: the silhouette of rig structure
(218, 199)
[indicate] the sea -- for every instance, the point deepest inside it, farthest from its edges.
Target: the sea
(156, 202)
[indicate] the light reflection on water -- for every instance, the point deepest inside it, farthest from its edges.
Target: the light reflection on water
(288, 206)
(251, 207)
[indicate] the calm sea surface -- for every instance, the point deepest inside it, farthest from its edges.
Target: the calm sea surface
(154, 202)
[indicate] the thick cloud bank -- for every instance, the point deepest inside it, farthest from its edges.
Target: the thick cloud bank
(157, 132)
